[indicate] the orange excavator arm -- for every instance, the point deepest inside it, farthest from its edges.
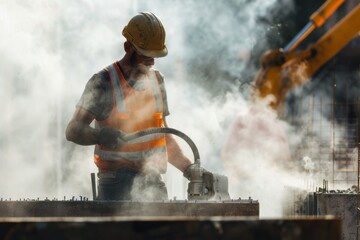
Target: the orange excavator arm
(284, 69)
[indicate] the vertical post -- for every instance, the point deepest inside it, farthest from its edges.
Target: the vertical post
(314, 128)
(333, 130)
(358, 173)
(308, 146)
(347, 134)
(321, 131)
(93, 185)
(358, 141)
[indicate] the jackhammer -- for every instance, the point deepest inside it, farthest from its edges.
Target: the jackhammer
(203, 185)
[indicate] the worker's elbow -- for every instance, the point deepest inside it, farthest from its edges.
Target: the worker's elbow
(70, 132)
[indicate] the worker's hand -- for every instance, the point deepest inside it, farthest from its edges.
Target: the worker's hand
(194, 171)
(111, 138)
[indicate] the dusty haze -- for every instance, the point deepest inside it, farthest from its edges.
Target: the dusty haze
(49, 49)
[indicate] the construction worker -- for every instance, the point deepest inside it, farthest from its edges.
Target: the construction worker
(126, 97)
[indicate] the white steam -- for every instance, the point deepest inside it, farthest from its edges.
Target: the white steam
(257, 159)
(309, 165)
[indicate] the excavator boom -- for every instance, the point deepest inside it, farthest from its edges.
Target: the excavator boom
(317, 19)
(283, 70)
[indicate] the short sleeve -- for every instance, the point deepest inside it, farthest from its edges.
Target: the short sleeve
(160, 78)
(97, 97)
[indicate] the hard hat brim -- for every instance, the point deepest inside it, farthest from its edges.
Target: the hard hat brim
(152, 53)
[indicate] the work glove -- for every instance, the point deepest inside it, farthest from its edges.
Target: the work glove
(111, 138)
(194, 170)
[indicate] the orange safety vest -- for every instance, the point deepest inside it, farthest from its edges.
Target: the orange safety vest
(133, 111)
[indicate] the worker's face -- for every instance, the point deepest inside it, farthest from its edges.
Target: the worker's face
(140, 62)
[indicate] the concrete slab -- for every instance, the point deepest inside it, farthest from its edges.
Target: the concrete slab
(127, 208)
(326, 228)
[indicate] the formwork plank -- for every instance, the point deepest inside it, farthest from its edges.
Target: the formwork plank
(124, 208)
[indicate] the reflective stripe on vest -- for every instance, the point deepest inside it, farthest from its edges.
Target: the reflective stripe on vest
(114, 73)
(118, 94)
(131, 156)
(125, 117)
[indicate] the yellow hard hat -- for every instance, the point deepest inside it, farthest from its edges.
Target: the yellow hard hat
(147, 34)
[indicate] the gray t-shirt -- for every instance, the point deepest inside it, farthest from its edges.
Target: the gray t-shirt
(97, 96)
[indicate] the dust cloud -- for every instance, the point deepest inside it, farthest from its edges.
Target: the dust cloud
(49, 49)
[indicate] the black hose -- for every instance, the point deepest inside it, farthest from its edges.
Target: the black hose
(132, 136)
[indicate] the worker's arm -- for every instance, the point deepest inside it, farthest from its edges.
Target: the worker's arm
(175, 154)
(79, 131)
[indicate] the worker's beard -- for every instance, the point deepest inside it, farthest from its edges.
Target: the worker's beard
(144, 69)
(139, 71)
